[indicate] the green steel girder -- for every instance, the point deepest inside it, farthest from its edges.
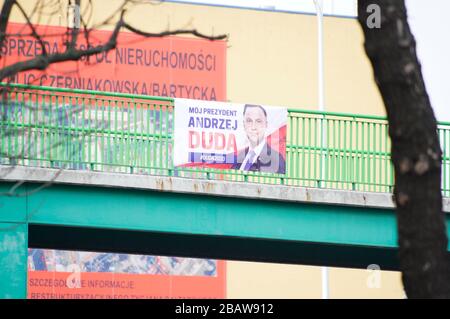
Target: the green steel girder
(143, 210)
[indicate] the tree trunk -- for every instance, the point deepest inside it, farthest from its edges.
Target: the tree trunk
(416, 152)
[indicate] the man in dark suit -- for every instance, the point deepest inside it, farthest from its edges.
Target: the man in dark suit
(259, 156)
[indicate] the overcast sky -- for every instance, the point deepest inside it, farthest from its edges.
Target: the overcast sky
(430, 23)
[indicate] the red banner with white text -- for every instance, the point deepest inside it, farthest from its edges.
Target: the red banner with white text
(170, 66)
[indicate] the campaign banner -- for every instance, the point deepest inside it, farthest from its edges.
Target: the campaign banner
(246, 137)
(169, 66)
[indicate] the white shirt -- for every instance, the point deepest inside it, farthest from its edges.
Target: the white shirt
(257, 150)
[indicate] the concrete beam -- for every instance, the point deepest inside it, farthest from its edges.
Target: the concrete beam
(199, 186)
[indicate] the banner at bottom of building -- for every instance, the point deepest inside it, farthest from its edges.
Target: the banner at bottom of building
(64, 285)
(55, 274)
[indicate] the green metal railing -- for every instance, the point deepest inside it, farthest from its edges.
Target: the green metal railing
(110, 132)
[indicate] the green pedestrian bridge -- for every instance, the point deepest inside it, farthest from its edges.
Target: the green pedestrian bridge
(86, 170)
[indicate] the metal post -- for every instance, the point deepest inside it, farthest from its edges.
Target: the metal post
(321, 99)
(321, 85)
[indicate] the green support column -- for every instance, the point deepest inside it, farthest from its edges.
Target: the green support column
(13, 260)
(13, 245)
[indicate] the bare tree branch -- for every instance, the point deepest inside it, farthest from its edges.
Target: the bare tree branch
(41, 62)
(33, 29)
(193, 32)
(4, 19)
(12, 191)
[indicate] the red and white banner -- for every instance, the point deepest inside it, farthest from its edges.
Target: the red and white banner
(169, 66)
(245, 137)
